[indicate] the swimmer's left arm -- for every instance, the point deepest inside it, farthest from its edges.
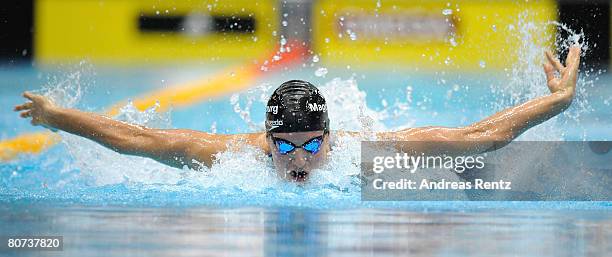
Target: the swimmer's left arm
(501, 128)
(174, 147)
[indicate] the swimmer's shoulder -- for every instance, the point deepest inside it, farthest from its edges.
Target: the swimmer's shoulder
(334, 135)
(341, 133)
(258, 140)
(234, 141)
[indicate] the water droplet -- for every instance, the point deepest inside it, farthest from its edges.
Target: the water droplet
(285, 14)
(320, 72)
(157, 12)
(452, 41)
(284, 23)
(283, 41)
(352, 35)
(447, 11)
(482, 64)
(326, 40)
(494, 28)
(315, 58)
(276, 57)
(448, 61)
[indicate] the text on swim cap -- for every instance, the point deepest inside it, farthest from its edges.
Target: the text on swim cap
(272, 108)
(314, 107)
(274, 124)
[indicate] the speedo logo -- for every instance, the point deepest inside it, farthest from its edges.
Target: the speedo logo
(274, 123)
(314, 107)
(272, 108)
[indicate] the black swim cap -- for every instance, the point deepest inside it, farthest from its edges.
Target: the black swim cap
(296, 106)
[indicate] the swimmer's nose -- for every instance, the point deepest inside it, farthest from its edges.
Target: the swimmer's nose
(299, 159)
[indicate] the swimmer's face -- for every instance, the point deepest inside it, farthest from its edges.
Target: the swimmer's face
(298, 163)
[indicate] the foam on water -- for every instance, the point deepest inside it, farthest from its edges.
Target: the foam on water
(95, 174)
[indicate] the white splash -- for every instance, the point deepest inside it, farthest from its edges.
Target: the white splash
(67, 89)
(321, 72)
(526, 79)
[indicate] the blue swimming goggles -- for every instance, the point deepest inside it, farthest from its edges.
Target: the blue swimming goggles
(312, 146)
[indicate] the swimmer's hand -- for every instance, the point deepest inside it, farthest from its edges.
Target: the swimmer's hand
(39, 108)
(565, 84)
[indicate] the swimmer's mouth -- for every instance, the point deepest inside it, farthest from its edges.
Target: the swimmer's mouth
(298, 176)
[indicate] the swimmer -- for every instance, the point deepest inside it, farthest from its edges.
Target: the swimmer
(298, 136)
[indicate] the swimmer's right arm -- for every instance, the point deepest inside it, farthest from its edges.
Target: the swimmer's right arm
(174, 147)
(501, 128)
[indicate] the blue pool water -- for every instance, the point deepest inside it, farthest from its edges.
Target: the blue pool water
(105, 203)
(102, 202)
